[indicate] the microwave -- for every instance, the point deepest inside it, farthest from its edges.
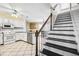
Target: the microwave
(7, 26)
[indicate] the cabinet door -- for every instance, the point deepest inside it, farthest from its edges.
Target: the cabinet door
(9, 38)
(21, 36)
(29, 38)
(1, 40)
(33, 39)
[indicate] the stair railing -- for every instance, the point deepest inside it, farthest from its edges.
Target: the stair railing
(51, 25)
(38, 32)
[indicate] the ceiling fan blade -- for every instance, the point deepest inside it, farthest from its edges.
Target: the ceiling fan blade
(55, 6)
(12, 9)
(5, 7)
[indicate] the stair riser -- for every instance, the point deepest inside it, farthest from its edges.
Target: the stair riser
(64, 25)
(65, 32)
(64, 22)
(71, 35)
(70, 50)
(63, 28)
(42, 54)
(64, 18)
(61, 23)
(62, 40)
(49, 53)
(59, 51)
(62, 37)
(73, 46)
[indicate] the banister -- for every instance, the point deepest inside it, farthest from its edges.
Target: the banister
(44, 24)
(38, 32)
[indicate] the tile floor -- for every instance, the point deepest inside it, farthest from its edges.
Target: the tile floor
(21, 48)
(17, 49)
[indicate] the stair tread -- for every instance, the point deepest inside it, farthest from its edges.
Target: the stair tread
(62, 40)
(64, 17)
(61, 37)
(49, 53)
(61, 30)
(70, 45)
(62, 23)
(62, 48)
(61, 34)
(63, 20)
(58, 51)
(62, 26)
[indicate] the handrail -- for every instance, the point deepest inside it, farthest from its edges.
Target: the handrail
(38, 32)
(44, 23)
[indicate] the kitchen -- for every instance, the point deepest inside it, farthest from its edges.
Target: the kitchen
(11, 27)
(18, 25)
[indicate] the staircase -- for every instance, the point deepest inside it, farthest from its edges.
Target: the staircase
(61, 40)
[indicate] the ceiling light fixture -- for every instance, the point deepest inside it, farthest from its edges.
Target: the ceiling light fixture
(14, 15)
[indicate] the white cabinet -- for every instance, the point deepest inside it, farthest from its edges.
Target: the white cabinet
(1, 38)
(9, 37)
(21, 36)
(31, 38)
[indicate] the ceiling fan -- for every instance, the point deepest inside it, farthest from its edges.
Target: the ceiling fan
(13, 10)
(53, 8)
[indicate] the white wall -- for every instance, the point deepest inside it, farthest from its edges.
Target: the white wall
(75, 18)
(21, 35)
(15, 22)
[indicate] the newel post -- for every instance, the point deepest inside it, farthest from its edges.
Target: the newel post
(51, 22)
(36, 35)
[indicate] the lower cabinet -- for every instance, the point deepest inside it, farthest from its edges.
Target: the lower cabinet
(9, 38)
(21, 36)
(31, 38)
(1, 38)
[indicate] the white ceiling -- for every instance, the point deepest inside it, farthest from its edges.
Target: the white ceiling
(34, 11)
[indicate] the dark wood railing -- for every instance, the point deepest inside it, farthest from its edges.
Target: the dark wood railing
(38, 32)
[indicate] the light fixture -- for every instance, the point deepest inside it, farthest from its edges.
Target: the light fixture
(14, 15)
